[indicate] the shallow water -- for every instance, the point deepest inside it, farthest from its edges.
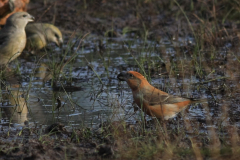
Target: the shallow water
(95, 100)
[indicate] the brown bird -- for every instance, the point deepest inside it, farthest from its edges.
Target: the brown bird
(9, 7)
(40, 34)
(151, 100)
(13, 36)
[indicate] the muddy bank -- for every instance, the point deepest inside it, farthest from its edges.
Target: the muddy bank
(51, 142)
(206, 22)
(115, 140)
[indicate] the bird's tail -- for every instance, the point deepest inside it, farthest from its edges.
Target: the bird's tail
(194, 100)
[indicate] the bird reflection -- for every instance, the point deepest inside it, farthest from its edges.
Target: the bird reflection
(13, 106)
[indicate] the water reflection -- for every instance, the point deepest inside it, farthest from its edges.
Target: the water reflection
(88, 88)
(14, 106)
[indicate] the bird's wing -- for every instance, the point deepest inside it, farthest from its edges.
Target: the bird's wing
(4, 35)
(160, 99)
(36, 41)
(34, 28)
(31, 30)
(175, 99)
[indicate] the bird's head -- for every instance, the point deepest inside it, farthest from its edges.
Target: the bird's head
(19, 19)
(54, 35)
(134, 79)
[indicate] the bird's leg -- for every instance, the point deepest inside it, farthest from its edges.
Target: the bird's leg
(159, 122)
(8, 69)
(144, 119)
(5, 68)
(144, 123)
(165, 128)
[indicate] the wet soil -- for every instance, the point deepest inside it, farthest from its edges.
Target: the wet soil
(148, 19)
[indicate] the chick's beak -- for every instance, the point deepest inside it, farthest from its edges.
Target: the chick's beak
(122, 76)
(60, 43)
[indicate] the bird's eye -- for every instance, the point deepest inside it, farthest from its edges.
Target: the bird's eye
(24, 15)
(131, 75)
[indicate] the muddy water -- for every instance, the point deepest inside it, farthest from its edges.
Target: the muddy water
(98, 95)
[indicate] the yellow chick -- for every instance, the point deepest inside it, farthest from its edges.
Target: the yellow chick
(13, 37)
(40, 34)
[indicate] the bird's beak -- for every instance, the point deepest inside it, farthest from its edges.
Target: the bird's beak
(122, 76)
(32, 18)
(60, 43)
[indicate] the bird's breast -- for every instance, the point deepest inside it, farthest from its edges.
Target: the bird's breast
(17, 44)
(137, 96)
(139, 100)
(21, 40)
